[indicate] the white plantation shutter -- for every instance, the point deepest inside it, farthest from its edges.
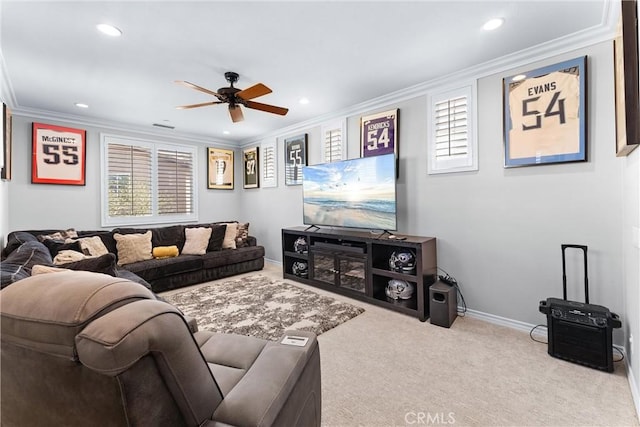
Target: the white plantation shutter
(175, 182)
(269, 164)
(146, 183)
(129, 180)
(334, 142)
(452, 142)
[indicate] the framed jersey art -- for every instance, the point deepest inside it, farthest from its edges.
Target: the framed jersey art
(58, 155)
(545, 115)
(295, 157)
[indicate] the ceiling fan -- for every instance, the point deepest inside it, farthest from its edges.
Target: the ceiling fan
(235, 97)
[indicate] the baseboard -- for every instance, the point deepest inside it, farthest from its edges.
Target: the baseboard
(635, 392)
(541, 331)
(504, 321)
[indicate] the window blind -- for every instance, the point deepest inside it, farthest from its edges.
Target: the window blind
(147, 182)
(333, 141)
(451, 131)
(175, 183)
(129, 180)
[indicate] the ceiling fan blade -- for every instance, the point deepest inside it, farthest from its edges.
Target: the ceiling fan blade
(204, 104)
(254, 91)
(196, 87)
(266, 107)
(236, 113)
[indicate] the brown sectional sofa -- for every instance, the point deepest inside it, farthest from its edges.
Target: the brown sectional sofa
(24, 250)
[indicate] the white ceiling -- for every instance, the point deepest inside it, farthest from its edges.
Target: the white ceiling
(336, 53)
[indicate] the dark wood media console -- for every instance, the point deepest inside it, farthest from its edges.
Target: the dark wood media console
(356, 264)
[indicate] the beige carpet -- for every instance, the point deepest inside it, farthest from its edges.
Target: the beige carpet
(382, 368)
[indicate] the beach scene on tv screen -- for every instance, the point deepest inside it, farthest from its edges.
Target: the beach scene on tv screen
(358, 193)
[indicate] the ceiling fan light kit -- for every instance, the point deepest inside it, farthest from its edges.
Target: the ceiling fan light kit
(235, 97)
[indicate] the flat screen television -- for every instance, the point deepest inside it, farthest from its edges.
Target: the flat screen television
(357, 193)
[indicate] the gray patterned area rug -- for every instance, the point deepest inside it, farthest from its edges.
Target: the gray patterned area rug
(261, 307)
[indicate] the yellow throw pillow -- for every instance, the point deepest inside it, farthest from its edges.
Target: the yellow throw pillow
(165, 251)
(133, 247)
(196, 240)
(230, 234)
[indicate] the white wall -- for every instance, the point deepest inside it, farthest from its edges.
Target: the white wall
(35, 206)
(499, 230)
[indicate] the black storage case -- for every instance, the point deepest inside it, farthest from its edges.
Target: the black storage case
(579, 332)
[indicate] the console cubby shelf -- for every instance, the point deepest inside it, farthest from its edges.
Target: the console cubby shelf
(356, 264)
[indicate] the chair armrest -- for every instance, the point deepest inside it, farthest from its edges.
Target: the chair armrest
(260, 395)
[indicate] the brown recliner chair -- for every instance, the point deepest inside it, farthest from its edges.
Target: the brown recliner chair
(82, 349)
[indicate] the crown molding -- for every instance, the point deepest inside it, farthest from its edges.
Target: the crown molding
(166, 134)
(603, 32)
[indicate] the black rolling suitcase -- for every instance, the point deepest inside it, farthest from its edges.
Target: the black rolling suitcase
(579, 332)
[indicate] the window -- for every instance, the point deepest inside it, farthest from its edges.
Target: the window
(269, 164)
(452, 141)
(146, 183)
(334, 141)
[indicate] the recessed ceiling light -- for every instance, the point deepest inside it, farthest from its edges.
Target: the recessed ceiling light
(109, 30)
(226, 132)
(304, 101)
(493, 24)
(518, 77)
(81, 105)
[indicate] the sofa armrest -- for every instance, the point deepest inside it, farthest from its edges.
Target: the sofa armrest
(268, 387)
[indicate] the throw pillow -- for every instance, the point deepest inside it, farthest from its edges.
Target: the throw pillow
(196, 240)
(55, 246)
(133, 247)
(92, 246)
(160, 252)
(66, 256)
(19, 263)
(15, 239)
(105, 264)
(230, 234)
(59, 235)
(42, 269)
(218, 232)
(242, 234)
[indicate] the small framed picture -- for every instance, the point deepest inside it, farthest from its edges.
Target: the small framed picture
(379, 134)
(58, 155)
(545, 115)
(251, 162)
(219, 169)
(295, 157)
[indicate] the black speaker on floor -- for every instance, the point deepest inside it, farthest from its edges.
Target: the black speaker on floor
(443, 304)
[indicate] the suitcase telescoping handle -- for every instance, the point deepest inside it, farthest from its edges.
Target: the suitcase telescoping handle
(564, 272)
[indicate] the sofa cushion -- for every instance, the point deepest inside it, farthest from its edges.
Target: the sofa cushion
(157, 268)
(196, 240)
(59, 235)
(92, 245)
(228, 257)
(15, 239)
(56, 246)
(105, 236)
(230, 234)
(242, 234)
(217, 234)
(19, 263)
(133, 247)
(168, 236)
(105, 264)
